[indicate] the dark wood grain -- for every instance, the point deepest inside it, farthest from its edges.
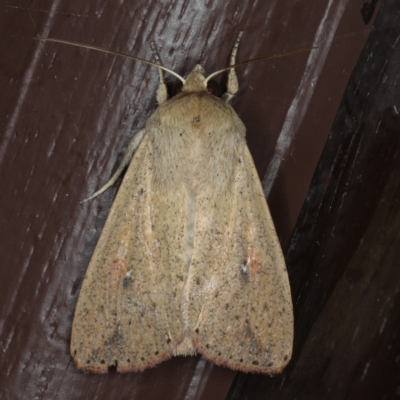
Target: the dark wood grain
(344, 254)
(66, 115)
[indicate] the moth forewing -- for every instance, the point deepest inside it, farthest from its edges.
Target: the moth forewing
(244, 319)
(188, 260)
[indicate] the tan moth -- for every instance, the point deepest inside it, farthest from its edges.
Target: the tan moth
(188, 261)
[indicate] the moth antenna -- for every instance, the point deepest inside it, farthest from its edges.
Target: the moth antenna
(116, 53)
(276, 55)
(232, 85)
(235, 48)
(162, 92)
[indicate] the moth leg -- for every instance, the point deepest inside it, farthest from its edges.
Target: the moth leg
(162, 94)
(133, 145)
(232, 85)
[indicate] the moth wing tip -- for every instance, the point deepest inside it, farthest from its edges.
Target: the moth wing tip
(242, 366)
(122, 367)
(144, 364)
(96, 368)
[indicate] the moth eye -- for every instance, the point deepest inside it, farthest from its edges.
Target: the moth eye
(213, 88)
(178, 88)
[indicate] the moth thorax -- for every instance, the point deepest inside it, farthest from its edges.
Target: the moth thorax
(195, 82)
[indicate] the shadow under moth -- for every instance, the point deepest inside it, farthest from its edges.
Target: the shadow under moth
(188, 261)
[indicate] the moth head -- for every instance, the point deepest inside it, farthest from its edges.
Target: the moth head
(196, 81)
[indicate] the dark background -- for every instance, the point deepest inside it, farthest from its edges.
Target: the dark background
(323, 128)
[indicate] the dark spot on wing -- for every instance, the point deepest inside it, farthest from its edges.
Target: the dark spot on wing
(115, 337)
(127, 280)
(244, 272)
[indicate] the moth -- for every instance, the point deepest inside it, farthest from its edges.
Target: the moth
(188, 261)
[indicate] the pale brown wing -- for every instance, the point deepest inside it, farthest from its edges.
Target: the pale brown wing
(239, 306)
(128, 312)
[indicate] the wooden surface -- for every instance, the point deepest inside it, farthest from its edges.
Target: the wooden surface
(66, 115)
(343, 257)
